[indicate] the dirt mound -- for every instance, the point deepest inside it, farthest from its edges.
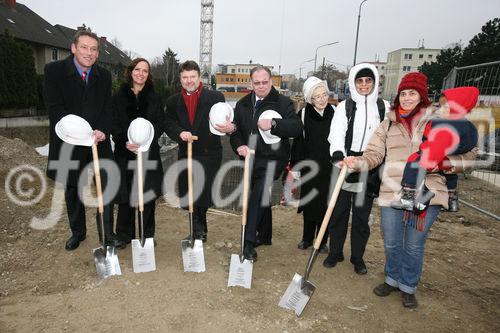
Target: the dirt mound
(15, 152)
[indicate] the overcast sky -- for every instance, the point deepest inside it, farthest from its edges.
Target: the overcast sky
(275, 32)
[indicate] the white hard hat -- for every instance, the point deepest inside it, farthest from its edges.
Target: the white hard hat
(308, 88)
(266, 135)
(218, 115)
(74, 130)
(141, 132)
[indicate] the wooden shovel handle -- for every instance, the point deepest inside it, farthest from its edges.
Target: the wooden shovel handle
(246, 185)
(140, 182)
(190, 172)
(97, 173)
(331, 205)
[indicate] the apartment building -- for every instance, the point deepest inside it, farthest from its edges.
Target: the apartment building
(401, 62)
(234, 78)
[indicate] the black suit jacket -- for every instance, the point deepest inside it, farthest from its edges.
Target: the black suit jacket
(207, 149)
(66, 93)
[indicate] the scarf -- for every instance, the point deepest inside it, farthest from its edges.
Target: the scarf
(191, 101)
(405, 118)
(415, 220)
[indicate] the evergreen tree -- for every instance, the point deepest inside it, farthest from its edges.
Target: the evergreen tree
(437, 71)
(165, 71)
(18, 81)
(485, 46)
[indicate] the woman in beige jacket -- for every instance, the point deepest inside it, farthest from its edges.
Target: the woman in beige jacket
(398, 136)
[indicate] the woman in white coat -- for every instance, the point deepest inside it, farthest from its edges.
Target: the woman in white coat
(353, 124)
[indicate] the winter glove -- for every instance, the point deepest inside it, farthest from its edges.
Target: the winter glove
(337, 157)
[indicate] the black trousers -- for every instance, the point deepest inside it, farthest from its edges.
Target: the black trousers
(360, 230)
(76, 214)
(260, 217)
(311, 229)
(125, 226)
(200, 220)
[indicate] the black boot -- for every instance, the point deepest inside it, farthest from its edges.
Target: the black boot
(249, 251)
(453, 201)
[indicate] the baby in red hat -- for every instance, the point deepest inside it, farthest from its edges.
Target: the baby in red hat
(451, 134)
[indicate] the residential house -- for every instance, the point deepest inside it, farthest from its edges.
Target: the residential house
(47, 42)
(51, 43)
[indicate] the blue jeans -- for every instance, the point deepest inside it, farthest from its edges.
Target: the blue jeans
(404, 248)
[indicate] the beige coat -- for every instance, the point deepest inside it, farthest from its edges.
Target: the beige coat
(399, 146)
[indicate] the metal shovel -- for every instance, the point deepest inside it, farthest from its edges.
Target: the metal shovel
(193, 258)
(143, 249)
(105, 257)
(300, 290)
(240, 269)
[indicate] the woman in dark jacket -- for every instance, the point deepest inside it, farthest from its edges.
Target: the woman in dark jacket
(137, 98)
(313, 146)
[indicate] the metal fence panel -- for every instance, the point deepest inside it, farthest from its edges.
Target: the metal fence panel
(484, 186)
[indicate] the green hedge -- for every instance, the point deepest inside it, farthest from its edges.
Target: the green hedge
(18, 79)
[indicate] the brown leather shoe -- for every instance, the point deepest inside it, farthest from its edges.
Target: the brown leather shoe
(409, 300)
(384, 289)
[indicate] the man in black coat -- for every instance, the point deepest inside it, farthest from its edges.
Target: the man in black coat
(269, 158)
(77, 86)
(186, 116)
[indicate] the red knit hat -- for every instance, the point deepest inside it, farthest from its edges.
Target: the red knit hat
(461, 100)
(416, 81)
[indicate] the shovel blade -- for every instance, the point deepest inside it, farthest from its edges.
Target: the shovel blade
(193, 258)
(143, 258)
(297, 295)
(106, 262)
(240, 273)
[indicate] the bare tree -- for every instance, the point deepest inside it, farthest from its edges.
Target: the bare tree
(116, 42)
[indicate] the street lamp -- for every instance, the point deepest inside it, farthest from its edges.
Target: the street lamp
(357, 32)
(316, 54)
(300, 68)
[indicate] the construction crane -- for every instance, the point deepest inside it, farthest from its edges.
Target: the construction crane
(206, 38)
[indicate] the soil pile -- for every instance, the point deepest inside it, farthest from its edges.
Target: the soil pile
(15, 152)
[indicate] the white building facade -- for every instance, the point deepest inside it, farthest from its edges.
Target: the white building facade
(401, 62)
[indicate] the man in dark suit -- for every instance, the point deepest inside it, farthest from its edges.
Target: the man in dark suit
(187, 114)
(269, 158)
(78, 86)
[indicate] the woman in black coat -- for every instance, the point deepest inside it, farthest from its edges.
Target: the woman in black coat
(313, 146)
(137, 98)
